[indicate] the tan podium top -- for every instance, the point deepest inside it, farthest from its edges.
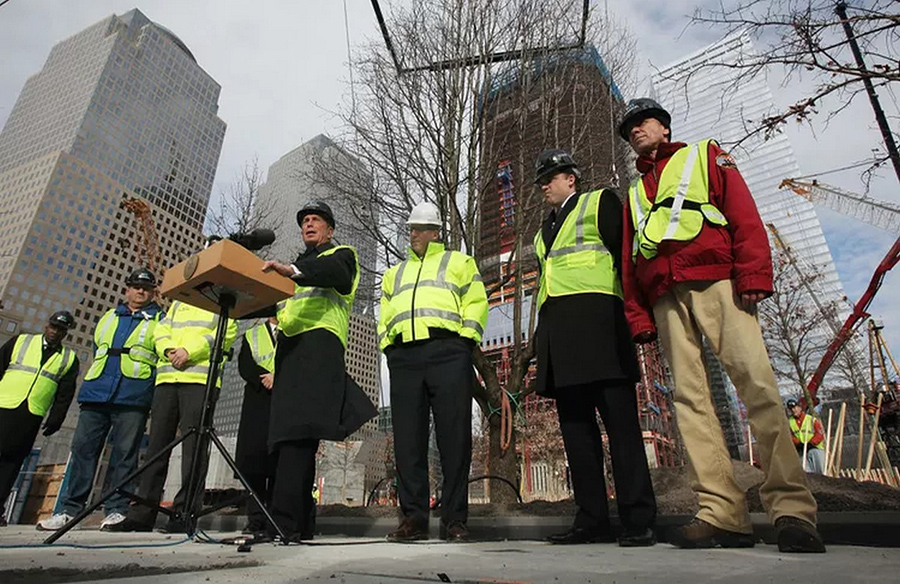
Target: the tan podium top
(225, 266)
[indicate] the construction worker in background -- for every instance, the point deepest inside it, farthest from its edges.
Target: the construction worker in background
(586, 360)
(256, 364)
(313, 398)
(696, 262)
(184, 342)
(37, 376)
(808, 435)
(115, 399)
(433, 313)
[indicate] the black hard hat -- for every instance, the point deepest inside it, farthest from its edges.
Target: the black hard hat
(553, 161)
(62, 318)
(791, 403)
(639, 110)
(141, 277)
(316, 208)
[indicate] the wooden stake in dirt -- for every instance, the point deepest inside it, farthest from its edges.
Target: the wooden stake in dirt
(874, 438)
(833, 462)
(859, 449)
(828, 442)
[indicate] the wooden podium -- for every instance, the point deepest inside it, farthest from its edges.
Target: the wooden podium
(230, 268)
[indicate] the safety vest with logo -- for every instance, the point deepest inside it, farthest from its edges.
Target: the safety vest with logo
(26, 378)
(262, 348)
(443, 290)
(682, 202)
(194, 329)
(577, 262)
(138, 357)
(804, 432)
(312, 307)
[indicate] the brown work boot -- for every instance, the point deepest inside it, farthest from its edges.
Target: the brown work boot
(455, 531)
(699, 534)
(409, 530)
(798, 536)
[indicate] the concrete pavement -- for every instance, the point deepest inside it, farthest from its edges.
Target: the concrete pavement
(135, 560)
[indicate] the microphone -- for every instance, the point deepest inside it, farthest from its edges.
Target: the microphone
(254, 240)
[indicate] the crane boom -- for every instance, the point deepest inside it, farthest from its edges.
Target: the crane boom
(881, 214)
(148, 245)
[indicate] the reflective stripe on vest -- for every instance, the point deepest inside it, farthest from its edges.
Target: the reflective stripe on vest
(805, 434)
(427, 297)
(261, 346)
(312, 307)
(577, 262)
(26, 378)
(139, 361)
(682, 202)
(199, 322)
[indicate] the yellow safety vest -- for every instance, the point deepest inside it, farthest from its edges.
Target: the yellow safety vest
(261, 346)
(682, 202)
(442, 290)
(578, 262)
(806, 433)
(313, 308)
(140, 359)
(194, 329)
(26, 378)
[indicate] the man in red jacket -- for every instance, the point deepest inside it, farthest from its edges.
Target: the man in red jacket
(696, 262)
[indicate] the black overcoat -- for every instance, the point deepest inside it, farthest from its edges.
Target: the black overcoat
(584, 338)
(252, 454)
(313, 396)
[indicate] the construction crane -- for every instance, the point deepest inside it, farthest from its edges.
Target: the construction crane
(148, 244)
(880, 214)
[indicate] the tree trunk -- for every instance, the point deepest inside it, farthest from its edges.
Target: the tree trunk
(502, 464)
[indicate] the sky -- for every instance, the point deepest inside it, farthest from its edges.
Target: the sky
(283, 67)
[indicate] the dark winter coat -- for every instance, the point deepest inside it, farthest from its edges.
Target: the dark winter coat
(584, 338)
(252, 453)
(313, 396)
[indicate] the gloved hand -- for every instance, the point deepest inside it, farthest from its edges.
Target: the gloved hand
(51, 427)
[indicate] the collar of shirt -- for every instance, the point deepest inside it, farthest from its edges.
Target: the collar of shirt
(559, 209)
(645, 164)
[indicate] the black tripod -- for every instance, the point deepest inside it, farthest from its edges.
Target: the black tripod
(205, 432)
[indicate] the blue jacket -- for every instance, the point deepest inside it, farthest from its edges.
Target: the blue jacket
(112, 387)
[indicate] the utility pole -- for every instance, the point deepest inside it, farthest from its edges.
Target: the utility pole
(841, 10)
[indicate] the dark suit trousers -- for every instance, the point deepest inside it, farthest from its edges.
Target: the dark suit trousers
(176, 407)
(293, 506)
(435, 376)
(576, 406)
(18, 429)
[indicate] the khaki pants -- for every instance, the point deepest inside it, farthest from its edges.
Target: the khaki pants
(710, 309)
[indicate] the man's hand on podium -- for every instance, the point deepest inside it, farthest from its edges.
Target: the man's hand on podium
(283, 269)
(178, 358)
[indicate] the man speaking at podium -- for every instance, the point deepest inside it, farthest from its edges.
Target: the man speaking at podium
(313, 398)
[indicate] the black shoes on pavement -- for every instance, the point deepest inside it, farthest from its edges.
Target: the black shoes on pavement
(579, 535)
(409, 530)
(129, 525)
(455, 532)
(637, 538)
(798, 536)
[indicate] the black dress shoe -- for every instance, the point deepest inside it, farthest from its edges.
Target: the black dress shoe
(637, 538)
(455, 531)
(255, 527)
(409, 530)
(577, 535)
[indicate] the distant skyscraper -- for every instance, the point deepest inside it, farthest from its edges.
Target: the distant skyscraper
(714, 102)
(119, 110)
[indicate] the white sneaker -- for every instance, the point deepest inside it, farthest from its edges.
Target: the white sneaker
(110, 520)
(54, 523)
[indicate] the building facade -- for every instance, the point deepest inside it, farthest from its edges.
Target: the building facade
(120, 110)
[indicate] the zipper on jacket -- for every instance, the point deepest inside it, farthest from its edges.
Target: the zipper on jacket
(412, 308)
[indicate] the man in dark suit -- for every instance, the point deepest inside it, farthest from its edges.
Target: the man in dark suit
(586, 360)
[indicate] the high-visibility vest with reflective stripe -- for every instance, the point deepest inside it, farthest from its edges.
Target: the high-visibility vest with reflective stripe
(442, 290)
(577, 262)
(185, 320)
(313, 308)
(26, 378)
(806, 433)
(140, 359)
(682, 202)
(261, 346)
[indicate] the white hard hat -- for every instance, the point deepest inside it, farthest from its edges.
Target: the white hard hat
(425, 214)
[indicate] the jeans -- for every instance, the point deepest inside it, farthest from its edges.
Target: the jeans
(125, 428)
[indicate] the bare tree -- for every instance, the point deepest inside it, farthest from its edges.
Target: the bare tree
(240, 209)
(806, 40)
(435, 135)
